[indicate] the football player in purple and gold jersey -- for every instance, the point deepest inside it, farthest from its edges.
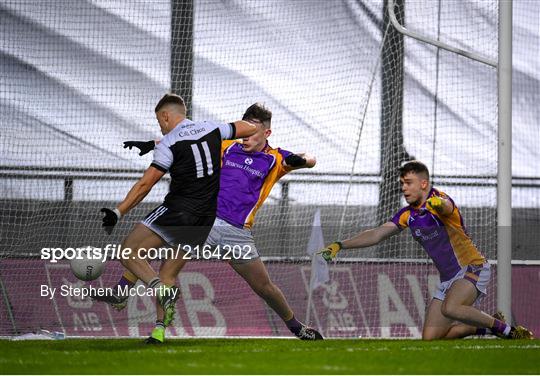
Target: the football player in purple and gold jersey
(436, 223)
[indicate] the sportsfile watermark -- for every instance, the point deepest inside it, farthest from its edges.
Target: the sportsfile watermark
(116, 252)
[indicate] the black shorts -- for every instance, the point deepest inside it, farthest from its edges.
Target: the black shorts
(179, 228)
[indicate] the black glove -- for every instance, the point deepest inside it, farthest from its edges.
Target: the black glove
(294, 160)
(110, 220)
(144, 146)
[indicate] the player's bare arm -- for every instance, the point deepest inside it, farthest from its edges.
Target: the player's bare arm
(135, 195)
(371, 237)
(363, 239)
(244, 128)
(140, 189)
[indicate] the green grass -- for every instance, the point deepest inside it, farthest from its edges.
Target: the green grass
(265, 356)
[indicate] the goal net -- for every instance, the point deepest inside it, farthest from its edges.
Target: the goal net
(343, 85)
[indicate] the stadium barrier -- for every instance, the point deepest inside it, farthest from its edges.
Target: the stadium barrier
(216, 302)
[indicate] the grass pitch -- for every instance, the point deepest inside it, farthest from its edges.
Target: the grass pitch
(270, 356)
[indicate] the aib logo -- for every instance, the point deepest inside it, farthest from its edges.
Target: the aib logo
(248, 161)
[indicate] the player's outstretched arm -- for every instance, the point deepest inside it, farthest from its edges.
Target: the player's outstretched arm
(136, 194)
(244, 129)
(363, 239)
(298, 161)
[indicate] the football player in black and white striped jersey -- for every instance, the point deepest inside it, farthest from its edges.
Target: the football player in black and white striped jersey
(190, 152)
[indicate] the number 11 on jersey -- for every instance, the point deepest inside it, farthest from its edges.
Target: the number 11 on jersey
(195, 148)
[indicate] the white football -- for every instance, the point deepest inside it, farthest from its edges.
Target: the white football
(87, 269)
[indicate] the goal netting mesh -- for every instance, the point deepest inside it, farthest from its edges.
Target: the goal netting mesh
(342, 84)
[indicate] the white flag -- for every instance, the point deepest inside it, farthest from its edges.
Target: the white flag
(319, 267)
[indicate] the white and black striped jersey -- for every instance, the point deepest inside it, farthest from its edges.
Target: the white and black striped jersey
(191, 153)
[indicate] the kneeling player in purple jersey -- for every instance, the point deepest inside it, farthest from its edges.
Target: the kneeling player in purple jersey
(249, 171)
(436, 223)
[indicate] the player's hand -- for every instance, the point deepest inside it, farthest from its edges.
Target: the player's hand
(436, 203)
(144, 146)
(295, 160)
(110, 220)
(330, 252)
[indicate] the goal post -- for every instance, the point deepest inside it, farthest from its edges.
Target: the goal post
(182, 50)
(504, 161)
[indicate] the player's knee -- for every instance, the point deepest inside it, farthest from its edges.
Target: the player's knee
(450, 311)
(432, 333)
(126, 258)
(430, 336)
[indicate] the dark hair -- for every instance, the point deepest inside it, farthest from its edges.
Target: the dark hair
(259, 112)
(416, 167)
(170, 99)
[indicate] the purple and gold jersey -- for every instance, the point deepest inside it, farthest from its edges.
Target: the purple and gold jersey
(246, 181)
(444, 238)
